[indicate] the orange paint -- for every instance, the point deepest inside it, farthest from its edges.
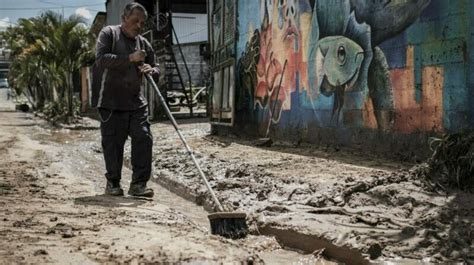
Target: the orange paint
(368, 115)
(411, 116)
(432, 99)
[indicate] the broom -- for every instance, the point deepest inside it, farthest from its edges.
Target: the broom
(267, 141)
(227, 224)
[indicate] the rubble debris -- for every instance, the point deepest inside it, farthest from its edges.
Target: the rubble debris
(451, 164)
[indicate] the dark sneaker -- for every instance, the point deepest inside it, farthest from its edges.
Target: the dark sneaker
(141, 191)
(113, 189)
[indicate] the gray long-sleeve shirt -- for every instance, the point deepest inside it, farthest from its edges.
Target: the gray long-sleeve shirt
(121, 81)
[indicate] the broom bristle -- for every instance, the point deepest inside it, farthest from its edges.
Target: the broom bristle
(229, 225)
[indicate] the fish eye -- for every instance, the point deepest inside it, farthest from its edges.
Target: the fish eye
(341, 55)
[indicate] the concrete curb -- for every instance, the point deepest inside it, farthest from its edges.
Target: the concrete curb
(309, 243)
(300, 239)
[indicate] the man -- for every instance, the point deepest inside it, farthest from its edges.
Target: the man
(123, 56)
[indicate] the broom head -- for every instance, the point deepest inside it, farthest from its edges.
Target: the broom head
(229, 224)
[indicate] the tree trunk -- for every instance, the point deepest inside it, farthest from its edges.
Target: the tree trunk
(31, 96)
(70, 98)
(40, 95)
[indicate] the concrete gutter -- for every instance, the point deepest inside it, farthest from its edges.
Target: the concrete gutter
(289, 233)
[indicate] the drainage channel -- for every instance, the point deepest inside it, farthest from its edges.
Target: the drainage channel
(197, 213)
(293, 244)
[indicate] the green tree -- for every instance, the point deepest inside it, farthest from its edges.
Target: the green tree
(46, 51)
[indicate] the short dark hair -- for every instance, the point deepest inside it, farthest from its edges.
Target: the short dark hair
(128, 9)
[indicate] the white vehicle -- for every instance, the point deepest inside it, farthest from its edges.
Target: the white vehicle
(4, 83)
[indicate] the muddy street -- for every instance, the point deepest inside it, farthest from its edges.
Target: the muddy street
(355, 206)
(53, 210)
(305, 205)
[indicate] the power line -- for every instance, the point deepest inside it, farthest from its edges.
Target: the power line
(192, 33)
(41, 8)
(74, 6)
(30, 8)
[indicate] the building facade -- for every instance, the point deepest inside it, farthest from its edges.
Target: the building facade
(379, 75)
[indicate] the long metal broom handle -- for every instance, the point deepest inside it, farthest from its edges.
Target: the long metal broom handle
(190, 152)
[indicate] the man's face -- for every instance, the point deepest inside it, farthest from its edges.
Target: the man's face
(134, 23)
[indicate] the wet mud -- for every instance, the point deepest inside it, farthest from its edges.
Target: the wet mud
(305, 204)
(53, 210)
(356, 206)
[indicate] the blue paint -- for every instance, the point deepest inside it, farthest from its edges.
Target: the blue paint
(320, 108)
(422, 32)
(245, 18)
(455, 76)
(456, 121)
(434, 10)
(395, 51)
(470, 68)
(455, 97)
(418, 73)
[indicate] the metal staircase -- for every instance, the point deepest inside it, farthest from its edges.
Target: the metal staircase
(178, 92)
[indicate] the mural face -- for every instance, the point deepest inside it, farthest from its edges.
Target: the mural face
(271, 66)
(324, 63)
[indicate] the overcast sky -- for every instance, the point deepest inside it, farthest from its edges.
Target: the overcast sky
(12, 10)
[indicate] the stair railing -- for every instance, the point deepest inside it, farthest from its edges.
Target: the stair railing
(190, 104)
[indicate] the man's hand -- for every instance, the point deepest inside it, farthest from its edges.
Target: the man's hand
(146, 68)
(137, 56)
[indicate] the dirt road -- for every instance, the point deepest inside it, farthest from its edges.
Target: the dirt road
(53, 210)
(321, 202)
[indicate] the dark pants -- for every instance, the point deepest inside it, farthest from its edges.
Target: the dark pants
(115, 128)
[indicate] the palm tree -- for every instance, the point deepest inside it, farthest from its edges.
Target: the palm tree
(46, 51)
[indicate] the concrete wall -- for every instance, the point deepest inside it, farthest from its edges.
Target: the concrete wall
(198, 67)
(380, 75)
(190, 28)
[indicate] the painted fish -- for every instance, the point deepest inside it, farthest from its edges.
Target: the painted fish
(342, 59)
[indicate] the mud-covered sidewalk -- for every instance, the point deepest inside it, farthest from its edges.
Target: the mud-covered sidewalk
(355, 206)
(304, 204)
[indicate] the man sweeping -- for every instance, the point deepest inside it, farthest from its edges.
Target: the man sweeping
(123, 56)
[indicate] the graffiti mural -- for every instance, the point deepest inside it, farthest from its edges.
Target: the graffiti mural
(273, 65)
(341, 64)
